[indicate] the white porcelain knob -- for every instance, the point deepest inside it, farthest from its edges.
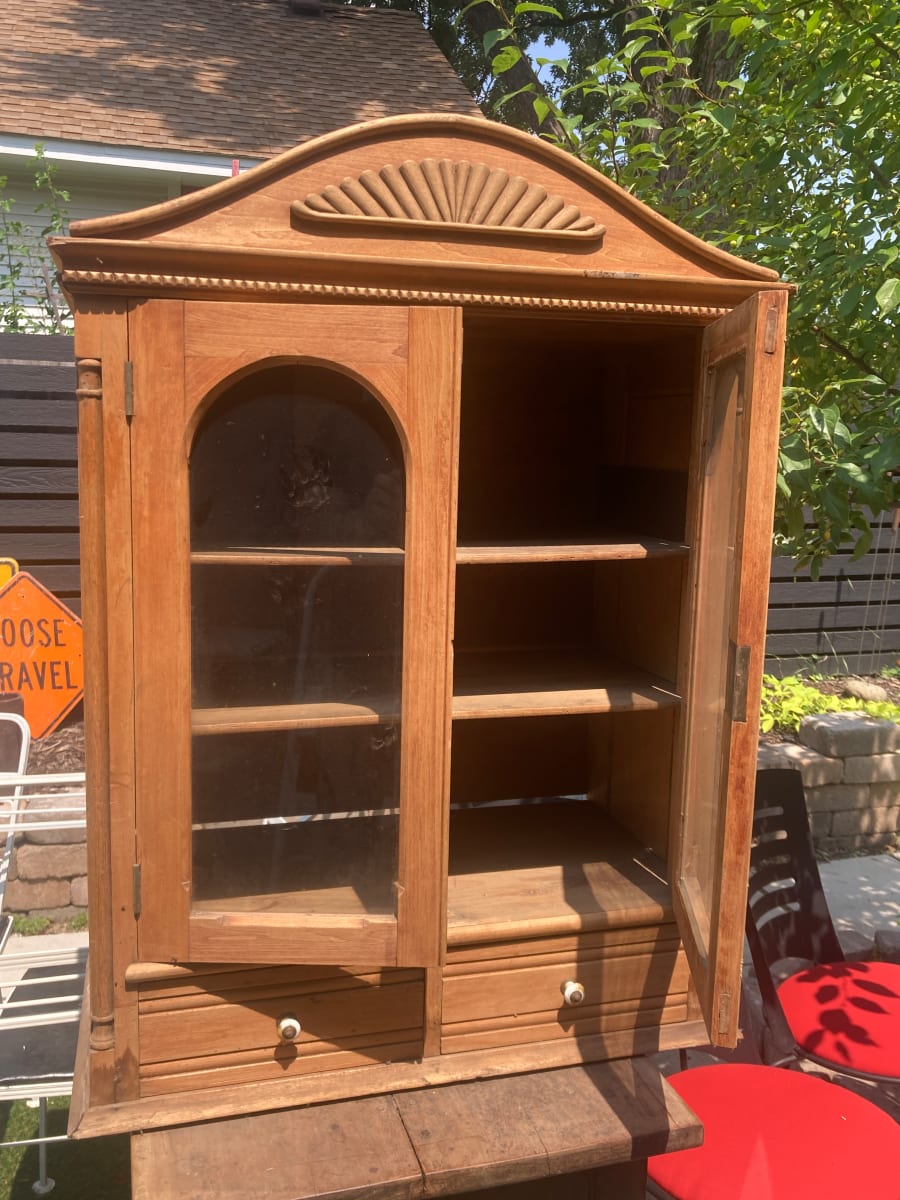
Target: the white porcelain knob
(289, 1028)
(573, 992)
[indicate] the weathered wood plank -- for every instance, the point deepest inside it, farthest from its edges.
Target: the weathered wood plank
(54, 347)
(38, 379)
(63, 579)
(834, 642)
(502, 1131)
(358, 1148)
(30, 548)
(45, 513)
(432, 1142)
(847, 616)
(841, 564)
(832, 591)
(52, 410)
(56, 481)
(59, 446)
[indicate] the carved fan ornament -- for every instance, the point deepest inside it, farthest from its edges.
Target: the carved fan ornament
(462, 196)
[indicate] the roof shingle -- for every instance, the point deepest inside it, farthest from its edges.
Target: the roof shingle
(234, 77)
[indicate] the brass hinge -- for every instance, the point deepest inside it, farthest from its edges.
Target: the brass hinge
(136, 888)
(739, 682)
(129, 390)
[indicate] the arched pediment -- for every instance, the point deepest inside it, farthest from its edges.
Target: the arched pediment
(420, 205)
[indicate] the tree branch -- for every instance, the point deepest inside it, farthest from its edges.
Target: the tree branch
(848, 354)
(486, 18)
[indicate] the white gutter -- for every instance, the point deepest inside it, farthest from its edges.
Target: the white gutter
(211, 166)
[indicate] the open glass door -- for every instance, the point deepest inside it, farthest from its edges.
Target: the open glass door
(741, 375)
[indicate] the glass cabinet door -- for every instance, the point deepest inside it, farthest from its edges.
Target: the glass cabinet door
(730, 555)
(297, 529)
(291, 468)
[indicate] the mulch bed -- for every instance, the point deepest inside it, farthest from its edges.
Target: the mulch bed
(60, 751)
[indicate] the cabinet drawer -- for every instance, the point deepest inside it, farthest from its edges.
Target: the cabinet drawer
(511, 993)
(224, 1028)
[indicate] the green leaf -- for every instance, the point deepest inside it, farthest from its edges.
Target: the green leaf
(508, 57)
(493, 36)
(723, 115)
(541, 108)
(527, 6)
(888, 295)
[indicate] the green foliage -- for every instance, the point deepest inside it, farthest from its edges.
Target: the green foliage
(773, 131)
(785, 702)
(84, 1169)
(30, 297)
(27, 926)
(790, 157)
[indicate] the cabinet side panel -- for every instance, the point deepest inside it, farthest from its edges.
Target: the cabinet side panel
(89, 391)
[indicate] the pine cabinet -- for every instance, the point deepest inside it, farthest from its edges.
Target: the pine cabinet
(427, 483)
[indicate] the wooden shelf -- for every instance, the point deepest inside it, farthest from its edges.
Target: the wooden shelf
(258, 718)
(315, 903)
(486, 685)
(558, 683)
(607, 549)
(522, 870)
(324, 868)
(300, 556)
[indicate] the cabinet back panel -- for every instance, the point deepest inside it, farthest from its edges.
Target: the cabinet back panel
(569, 429)
(637, 613)
(627, 612)
(635, 774)
(519, 605)
(519, 758)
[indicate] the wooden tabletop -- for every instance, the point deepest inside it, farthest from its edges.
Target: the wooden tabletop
(436, 1142)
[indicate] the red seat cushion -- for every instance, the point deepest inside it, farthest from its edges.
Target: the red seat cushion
(847, 1014)
(772, 1134)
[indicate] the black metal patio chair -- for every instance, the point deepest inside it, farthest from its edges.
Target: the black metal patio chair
(816, 1005)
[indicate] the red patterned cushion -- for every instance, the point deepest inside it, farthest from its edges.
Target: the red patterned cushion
(773, 1134)
(847, 1014)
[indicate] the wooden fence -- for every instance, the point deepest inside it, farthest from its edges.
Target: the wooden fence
(847, 621)
(38, 461)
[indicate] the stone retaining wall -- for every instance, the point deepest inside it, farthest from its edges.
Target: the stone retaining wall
(48, 872)
(850, 764)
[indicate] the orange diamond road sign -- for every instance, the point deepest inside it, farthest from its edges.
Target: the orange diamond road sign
(41, 652)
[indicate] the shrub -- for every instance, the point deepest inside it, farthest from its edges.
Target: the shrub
(785, 702)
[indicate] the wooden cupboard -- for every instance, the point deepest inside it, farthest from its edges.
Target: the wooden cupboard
(427, 483)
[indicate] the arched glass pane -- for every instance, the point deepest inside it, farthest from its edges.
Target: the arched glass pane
(297, 515)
